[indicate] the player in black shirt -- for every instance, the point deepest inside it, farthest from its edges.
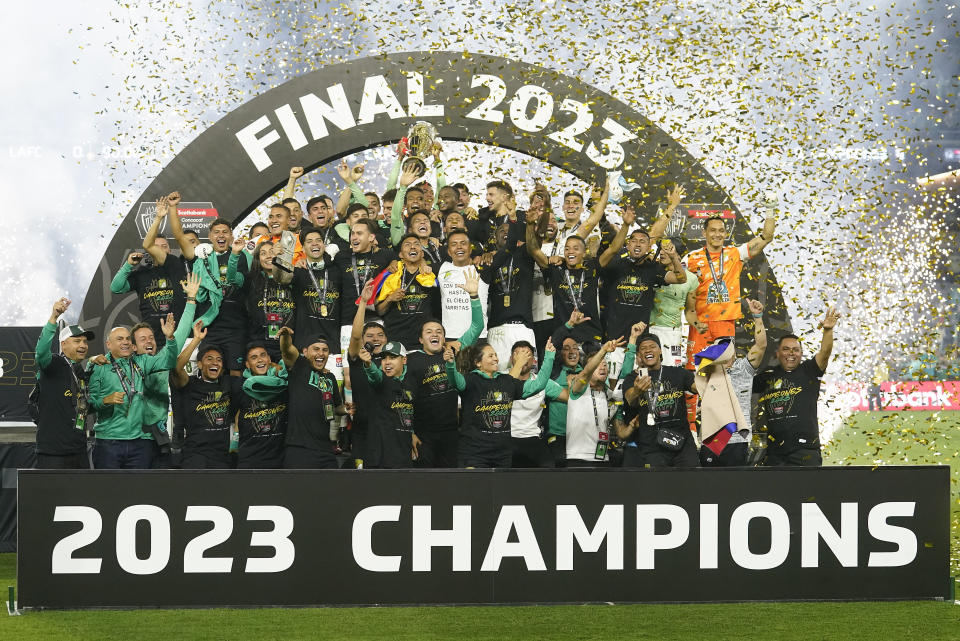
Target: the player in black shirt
(228, 325)
(391, 441)
(208, 402)
(314, 402)
(410, 296)
(269, 297)
(262, 411)
(369, 336)
(435, 404)
(317, 283)
(62, 387)
(787, 406)
(359, 264)
(655, 412)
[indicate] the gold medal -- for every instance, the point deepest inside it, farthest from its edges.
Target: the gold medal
(323, 309)
(506, 300)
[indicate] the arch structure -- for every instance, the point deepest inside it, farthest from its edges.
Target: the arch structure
(319, 117)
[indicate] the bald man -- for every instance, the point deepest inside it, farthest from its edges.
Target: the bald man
(117, 394)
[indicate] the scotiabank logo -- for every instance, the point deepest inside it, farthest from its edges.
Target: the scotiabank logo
(193, 216)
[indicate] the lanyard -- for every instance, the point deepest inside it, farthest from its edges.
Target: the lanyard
(405, 284)
(122, 375)
(356, 278)
(596, 414)
(713, 274)
(506, 281)
(576, 299)
(215, 279)
(652, 393)
(326, 283)
(429, 249)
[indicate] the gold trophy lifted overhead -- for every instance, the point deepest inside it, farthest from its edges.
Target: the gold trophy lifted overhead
(419, 144)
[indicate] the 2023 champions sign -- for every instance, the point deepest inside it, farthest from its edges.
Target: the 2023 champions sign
(116, 539)
(337, 110)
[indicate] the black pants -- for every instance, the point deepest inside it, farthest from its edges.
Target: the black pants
(543, 330)
(574, 462)
(532, 451)
(63, 461)
(199, 461)
(558, 445)
(438, 449)
(304, 458)
(804, 457)
(656, 456)
(733, 455)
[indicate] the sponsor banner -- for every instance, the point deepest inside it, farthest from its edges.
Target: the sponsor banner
(295, 538)
(897, 395)
(18, 370)
(193, 216)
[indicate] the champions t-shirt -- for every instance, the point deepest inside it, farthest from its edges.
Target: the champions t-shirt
(313, 397)
(159, 292)
(788, 405)
(208, 409)
(670, 406)
(631, 287)
(579, 284)
(402, 319)
(511, 281)
(390, 429)
(357, 269)
(435, 401)
(232, 317)
(262, 426)
(318, 304)
(718, 301)
(270, 306)
(485, 414)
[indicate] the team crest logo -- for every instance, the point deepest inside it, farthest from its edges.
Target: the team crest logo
(778, 384)
(217, 395)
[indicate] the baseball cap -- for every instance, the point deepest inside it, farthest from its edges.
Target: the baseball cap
(394, 348)
(73, 331)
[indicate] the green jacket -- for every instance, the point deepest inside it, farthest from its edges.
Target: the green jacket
(156, 393)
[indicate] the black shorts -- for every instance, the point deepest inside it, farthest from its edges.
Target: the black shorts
(303, 458)
(532, 451)
(733, 455)
(803, 457)
(438, 449)
(200, 461)
(656, 456)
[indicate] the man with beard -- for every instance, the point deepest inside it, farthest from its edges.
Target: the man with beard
(788, 399)
(408, 296)
(435, 402)
(154, 279)
(655, 413)
(297, 222)
(317, 284)
(454, 303)
(117, 395)
(220, 305)
(62, 399)
(156, 386)
(315, 402)
(359, 264)
(262, 411)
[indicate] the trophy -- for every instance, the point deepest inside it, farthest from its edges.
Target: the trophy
(618, 186)
(287, 244)
(203, 250)
(420, 140)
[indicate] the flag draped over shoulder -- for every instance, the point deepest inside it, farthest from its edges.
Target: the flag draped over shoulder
(208, 269)
(267, 386)
(391, 282)
(720, 415)
(377, 285)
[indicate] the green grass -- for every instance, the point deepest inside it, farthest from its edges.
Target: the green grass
(905, 438)
(869, 438)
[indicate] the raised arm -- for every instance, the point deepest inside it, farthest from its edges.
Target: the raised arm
(179, 372)
(826, 343)
(617, 244)
(121, 280)
(582, 380)
(397, 226)
(471, 285)
(690, 312)
(755, 355)
(533, 243)
(43, 356)
(597, 213)
(455, 377)
(159, 256)
(356, 332)
(186, 249)
(756, 245)
(630, 357)
(190, 287)
(288, 351)
(234, 275)
(677, 273)
(533, 385)
(674, 198)
(295, 174)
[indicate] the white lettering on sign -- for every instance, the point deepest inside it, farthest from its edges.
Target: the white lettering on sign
(659, 527)
(532, 109)
(156, 556)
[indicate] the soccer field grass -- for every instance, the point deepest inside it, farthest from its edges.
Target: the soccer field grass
(868, 438)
